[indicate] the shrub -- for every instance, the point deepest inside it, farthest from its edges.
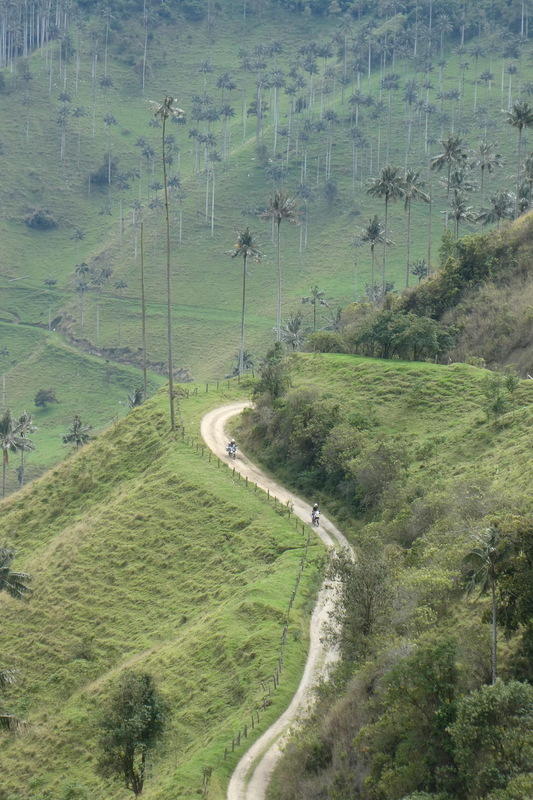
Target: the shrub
(45, 396)
(326, 342)
(41, 219)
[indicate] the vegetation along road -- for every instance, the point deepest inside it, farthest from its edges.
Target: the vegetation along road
(251, 776)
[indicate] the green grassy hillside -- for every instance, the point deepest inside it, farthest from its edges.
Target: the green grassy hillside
(52, 170)
(145, 554)
(96, 390)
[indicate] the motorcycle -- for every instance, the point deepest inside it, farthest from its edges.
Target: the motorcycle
(315, 518)
(231, 450)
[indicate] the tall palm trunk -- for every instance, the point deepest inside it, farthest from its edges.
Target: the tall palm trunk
(430, 221)
(278, 306)
(408, 244)
(4, 472)
(385, 246)
(372, 277)
(518, 172)
(143, 314)
(241, 351)
(169, 301)
(494, 632)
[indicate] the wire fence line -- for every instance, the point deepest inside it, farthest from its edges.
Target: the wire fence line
(265, 687)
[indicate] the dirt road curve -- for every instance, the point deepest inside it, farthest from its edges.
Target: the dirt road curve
(252, 774)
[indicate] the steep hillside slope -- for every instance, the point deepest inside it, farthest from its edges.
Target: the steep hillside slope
(144, 554)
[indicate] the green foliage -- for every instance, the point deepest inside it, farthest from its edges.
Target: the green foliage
(366, 598)
(325, 342)
(492, 736)
(273, 373)
(44, 397)
(41, 219)
(404, 335)
(131, 726)
(409, 746)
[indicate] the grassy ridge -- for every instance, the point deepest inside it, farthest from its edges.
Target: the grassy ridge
(144, 554)
(437, 411)
(85, 385)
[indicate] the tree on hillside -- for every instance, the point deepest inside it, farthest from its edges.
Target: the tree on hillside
(520, 116)
(501, 207)
(487, 159)
(413, 189)
(491, 738)
(246, 247)
(316, 298)
(45, 396)
(420, 269)
(483, 566)
(388, 186)
(281, 208)
(131, 725)
(78, 433)
(24, 428)
(292, 331)
(164, 111)
(460, 211)
(11, 441)
(373, 234)
(14, 584)
(453, 154)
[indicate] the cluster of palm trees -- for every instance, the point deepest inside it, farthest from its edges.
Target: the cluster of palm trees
(281, 208)
(392, 184)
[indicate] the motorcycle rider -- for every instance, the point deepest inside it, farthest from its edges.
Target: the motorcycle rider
(231, 447)
(315, 514)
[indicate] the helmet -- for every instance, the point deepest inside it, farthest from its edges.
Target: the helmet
(232, 441)
(315, 505)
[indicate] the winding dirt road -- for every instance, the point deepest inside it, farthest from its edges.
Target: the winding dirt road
(252, 774)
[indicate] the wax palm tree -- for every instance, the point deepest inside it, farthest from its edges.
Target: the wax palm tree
(483, 567)
(388, 186)
(78, 433)
(501, 207)
(10, 442)
(281, 208)
(14, 584)
(453, 154)
(24, 428)
(520, 116)
(487, 159)
(292, 332)
(246, 247)
(413, 189)
(164, 111)
(316, 298)
(373, 234)
(420, 269)
(460, 211)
